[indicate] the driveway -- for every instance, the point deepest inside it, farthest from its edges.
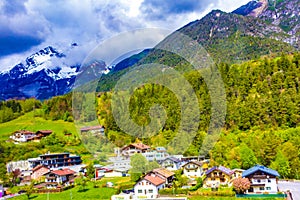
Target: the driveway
(294, 187)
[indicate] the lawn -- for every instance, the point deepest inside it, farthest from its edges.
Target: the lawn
(31, 123)
(90, 193)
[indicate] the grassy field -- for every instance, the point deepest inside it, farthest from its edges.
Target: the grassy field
(31, 123)
(90, 193)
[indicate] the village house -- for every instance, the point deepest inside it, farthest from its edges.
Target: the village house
(42, 133)
(237, 173)
(158, 154)
(22, 136)
(120, 162)
(59, 177)
(39, 171)
(171, 163)
(93, 129)
(263, 179)
(26, 136)
(148, 187)
(217, 176)
(55, 160)
(193, 169)
(134, 148)
(164, 174)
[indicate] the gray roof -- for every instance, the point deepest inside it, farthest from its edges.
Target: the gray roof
(221, 168)
(176, 160)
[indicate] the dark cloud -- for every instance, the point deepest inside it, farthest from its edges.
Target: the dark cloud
(158, 9)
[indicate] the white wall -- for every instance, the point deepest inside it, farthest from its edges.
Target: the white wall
(192, 172)
(270, 187)
(145, 188)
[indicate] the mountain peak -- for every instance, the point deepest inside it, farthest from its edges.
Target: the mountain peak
(253, 8)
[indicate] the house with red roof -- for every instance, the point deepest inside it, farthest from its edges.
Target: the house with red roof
(60, 177)
(165, 174)
(133, 148)
(148, 187)
(217, 176)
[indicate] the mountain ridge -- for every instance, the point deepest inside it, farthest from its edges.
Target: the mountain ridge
(241, 35)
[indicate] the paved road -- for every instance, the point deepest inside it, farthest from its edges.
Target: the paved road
(294, 187)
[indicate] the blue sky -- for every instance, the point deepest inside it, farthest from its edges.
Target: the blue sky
(29, 25)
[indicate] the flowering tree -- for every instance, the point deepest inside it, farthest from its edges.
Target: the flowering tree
(240, 185)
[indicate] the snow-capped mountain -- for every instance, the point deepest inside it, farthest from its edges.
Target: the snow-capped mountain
(42, 75)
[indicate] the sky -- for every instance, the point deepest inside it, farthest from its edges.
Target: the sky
(27, 26)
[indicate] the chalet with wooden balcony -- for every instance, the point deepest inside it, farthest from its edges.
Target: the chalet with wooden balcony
(193, 169)
(263, 180)
(217, 176)
(171, 163)
(59, 177)
(131, 149)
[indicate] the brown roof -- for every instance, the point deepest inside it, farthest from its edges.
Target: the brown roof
(194, 162)
(25, 132)
(90, 128)
(155, 180)
(38, 167)
(63, 172)
(44, 132)
(164, 172)
(140, 146)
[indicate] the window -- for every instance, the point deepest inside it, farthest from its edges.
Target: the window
(140, 191)
(268, 188)
(258, 180)
(261, 188)
(269, 181)
(150, 191)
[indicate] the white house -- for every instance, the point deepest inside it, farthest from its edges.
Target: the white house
(134, 148)
(171, 163)
(62, 176)
(263, 179)
(193, 169)
(158, 154)
(22, 136)
(148, 187)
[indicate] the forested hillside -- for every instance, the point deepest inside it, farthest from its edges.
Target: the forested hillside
(263, 112)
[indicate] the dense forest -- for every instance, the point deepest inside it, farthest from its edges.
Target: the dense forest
(262, 118)
(263, 114)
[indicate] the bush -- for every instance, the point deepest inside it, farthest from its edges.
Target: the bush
(223, 192)
(170, 191)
